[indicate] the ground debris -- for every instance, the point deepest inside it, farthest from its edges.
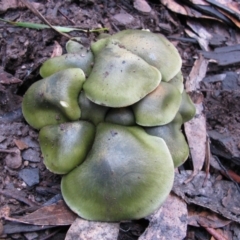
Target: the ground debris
(169, 222)
(201, 217)
(30, 176)
(222, 11)
(219, 196)
(9, 101)
(57, 214)
(84, 230)
(224, 57)
(22, 53)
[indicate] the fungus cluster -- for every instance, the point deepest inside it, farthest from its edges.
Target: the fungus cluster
(110, 122)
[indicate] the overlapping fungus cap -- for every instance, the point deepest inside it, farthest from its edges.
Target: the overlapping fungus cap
(54, 99)
(118, 78)
(110, 120)
(126, 175)
(171, 133)
(155, 49)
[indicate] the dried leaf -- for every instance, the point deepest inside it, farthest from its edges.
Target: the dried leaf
(197, 74)
(195, 129)
(56, 214)
(14, 4)
(174, 6)
(142, 6)
(20, 144)
(233, 19)
(184, 10)
(205, 218)
(57, 50)
(204, 35)
(169, 222)
(196, 134)
(86, 230)
(220, 196)
(199, 2)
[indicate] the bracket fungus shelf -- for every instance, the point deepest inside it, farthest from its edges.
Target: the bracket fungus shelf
(110, 122)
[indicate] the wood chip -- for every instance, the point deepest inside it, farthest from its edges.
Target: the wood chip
(169, 222)
(142, 6)
(89, 230)
(20, 144)
(220, 196)
(57, 50)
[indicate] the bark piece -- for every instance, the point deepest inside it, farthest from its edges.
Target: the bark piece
(169, 222)
(220, 196)
(86, 230)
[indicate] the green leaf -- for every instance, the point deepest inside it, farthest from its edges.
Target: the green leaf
(39, 26)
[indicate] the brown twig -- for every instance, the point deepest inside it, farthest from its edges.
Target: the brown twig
(233, 175)
(7, 151)
(50, 235)
(225, 172)
(215, 234)
(16, 195)
(40, 16)
(212, 231)
(207, 160)
(73, 23)
(224, 8)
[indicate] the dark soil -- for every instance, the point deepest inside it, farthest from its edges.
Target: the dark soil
(22, 53)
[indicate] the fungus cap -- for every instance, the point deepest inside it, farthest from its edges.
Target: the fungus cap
(187, 108)
(159, 107)
(70, 60)
(54, 99)
(127, 175)
(65, 146)
(154, 48)
(120, 78)
(171, 133)
(177, 81)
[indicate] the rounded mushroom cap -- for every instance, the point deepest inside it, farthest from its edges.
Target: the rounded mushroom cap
(74, 46)
(127, 175)
(114, 169)
(154, 48)
(54, 99)
(187, 108)
(120, 78)
(177, 81)
(171, 133)
(66, 145)
(159, 107)
(71, 60)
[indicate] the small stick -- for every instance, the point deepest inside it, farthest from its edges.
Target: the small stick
(7, 151)
(207, 160)
(215, 234)
(15, 195)
(50, 235)
(225, 171)
(224, 8)
(73, 23)
(40, 16)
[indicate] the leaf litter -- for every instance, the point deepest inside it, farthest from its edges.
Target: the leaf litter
(210, 197)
